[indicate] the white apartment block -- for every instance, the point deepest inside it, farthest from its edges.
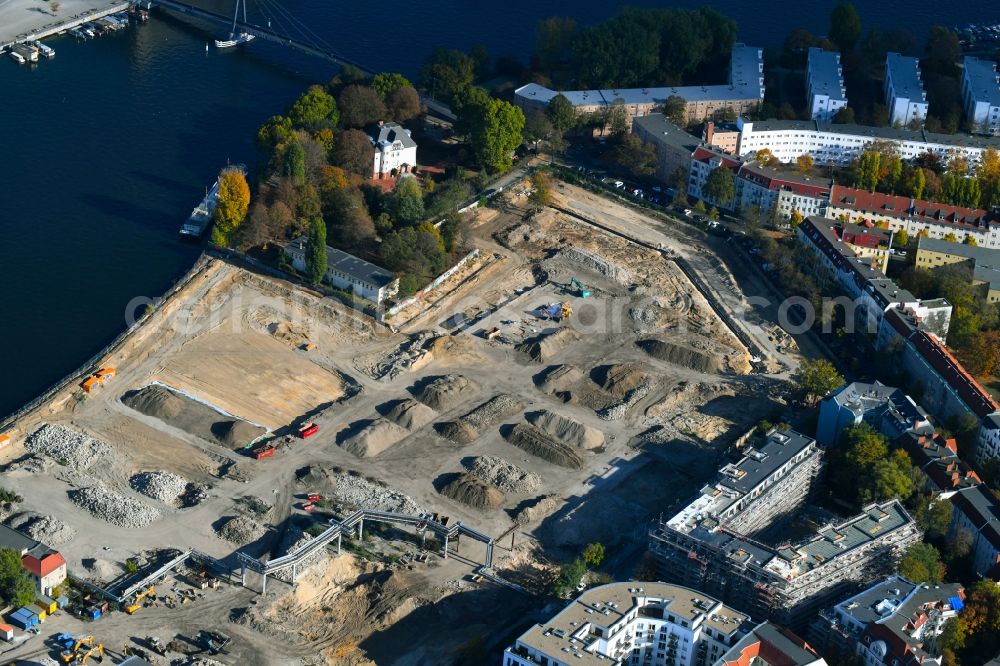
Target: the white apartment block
(826, 93)
(840, 144)
(981, 95)
(653, 624)
(904, 91)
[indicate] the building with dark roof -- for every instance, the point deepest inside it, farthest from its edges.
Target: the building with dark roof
(916, 216)
(825, 90)
(892, 622)
(674, 146)
(977, 510)
(904, 91)
(938, 458)
(771, 645)
(346, 271)
(887, 409)
(395, 149)
(981, 94)
(983, 263)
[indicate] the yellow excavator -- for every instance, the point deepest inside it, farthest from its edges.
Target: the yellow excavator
(96, 650)
(137, 604)
(70, 654)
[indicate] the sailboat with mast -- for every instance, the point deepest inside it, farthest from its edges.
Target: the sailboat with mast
(234, 38)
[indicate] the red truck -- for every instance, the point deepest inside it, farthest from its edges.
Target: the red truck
(308, 430)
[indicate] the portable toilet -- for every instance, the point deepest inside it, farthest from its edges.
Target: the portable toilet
(93, 613)
(48, 604)
(6, 632)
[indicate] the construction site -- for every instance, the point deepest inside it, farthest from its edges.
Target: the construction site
(259, 475)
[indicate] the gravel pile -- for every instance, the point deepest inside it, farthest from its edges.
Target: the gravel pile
(111, 507)
(362, 493)
(240, 530)
(537, 442)
(160, 485)
(411, 414)
(507, 477)
(496, 408)
(539, 509)
(47, 529)
(76, 450)
(446, 392)
(620, 409)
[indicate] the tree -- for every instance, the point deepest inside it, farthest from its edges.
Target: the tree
(294, 167)
(495, 131)
(959, 544)
(816, 379)
(233, 203)
(795, 219)
(553, 37)
(360, 106)
(632, 154)
(351, 223)
(316, 251)
(593, 554)
(447, 197)
(569, 577)
(913, 182)
(921, 563)
(866, 171)
(720, 186)
(561, 113)
(537, 126)
(844, 116)
(970, 241)
(256, 230)
(675, 110)
(541, 193)
(403, 104)
(314, 110)
(943, 52)
(16, 586)
(804, 162)
(353, 152)
(406, 204)
(902, 237)
(933, 517)
(980, 353)
(447, 73)
(845, 26)
(275, 131)
(766, 158)
(386, 82)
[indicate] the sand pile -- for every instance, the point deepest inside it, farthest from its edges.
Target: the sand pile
(559, 378)
(48, 529)
(374, 438)
(619, 379)
(191, 416)
(475, 492)
(411, 414)
(544, 347)
(359, 492)
(532, 440)
(459, 431)
(678, 354)
(493, 410)
(111, 507)
(69, 447)
(567, 430)
(240, 530)
(537, 510)
(505, 476)
(446, 392)
(159, 485)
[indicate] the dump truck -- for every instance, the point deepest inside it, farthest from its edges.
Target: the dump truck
(156, 645)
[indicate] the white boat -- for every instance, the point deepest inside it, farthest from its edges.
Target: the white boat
(18, 58)
(46, 51)
(235, 40)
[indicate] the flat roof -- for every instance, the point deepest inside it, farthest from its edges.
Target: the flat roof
(662, 130)
(982, 77)
(761, 462)
(904, 73)
(11, 538)
(888, 133)
(825, 75)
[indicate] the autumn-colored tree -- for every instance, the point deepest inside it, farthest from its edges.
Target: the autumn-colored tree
(902, 237)
(233, 203)
(804, 162)
(353, 152)
(765, 157)
(980, 353)
(330, 178)
(970, 240)
(796, 219)
(541, 194)
(275, 131)
(403, 104)
(817, 379)
(360, 106)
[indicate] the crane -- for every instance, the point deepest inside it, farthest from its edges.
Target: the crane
(137, 604)
(583, 292)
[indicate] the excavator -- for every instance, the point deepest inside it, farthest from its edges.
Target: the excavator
(137, 604)
(97, 650)
(70, 653)
(580, 289)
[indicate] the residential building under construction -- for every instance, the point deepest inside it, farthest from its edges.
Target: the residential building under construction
(709, 545)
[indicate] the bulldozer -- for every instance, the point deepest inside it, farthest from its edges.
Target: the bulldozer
(137, 604)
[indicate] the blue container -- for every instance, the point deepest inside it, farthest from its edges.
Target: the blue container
(94, 613)
(30, 615)
(19, 620)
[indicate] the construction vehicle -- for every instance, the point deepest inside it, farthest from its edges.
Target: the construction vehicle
(137, 604)
(262, 452)
(214, 641)
(156, 645)
(580, 290)
(72, 650)
(98, 649)
(314, 497)
(308, 430)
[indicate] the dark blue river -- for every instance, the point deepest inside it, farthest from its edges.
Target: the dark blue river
(105, 149)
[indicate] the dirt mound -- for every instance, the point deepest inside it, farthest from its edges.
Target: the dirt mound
(506, 476)
(619, 379)
(240, 530)
(471, 490)
(594, 262)
(374, 438)
(559, 378)
(537, 510)
(493, 410)
(567, 430)
(191, 416)
(689, 357)
(532, 440)
(544, 347)
(446, 392)
(459, 431)
(411, 414)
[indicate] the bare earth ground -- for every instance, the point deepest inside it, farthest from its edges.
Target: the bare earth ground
(236, 341)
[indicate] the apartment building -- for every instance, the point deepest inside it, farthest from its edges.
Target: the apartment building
(917, 216)
(634, 623)
(742, 94)
(904, 91)
(825, 90)
(872, 294)
(983, 263)
(988, 439)
(981, 95)
(704, 160)
(892, 623)
(778, 193)
(977, 510)
(937, 457)
(840, 144)
(771, 645)
(887, 409)
(673, 145)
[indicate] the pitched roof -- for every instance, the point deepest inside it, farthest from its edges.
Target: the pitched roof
(386, 134)
(43, 563)
(938, 458)
(358, 269)
(982, 509)
(773, 179)
(770, 645)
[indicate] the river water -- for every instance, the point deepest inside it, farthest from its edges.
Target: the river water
(104, 150)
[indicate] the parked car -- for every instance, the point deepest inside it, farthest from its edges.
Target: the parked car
(619, 184)
(687, 211)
